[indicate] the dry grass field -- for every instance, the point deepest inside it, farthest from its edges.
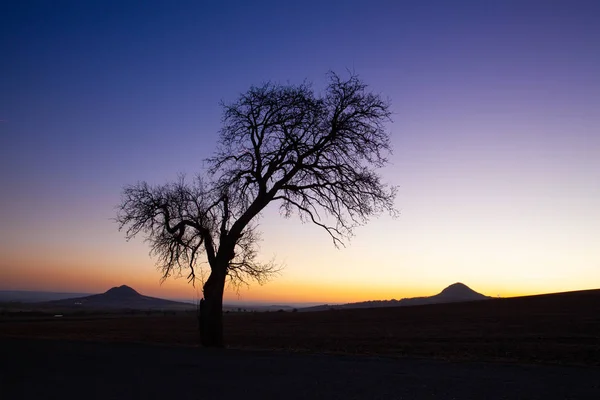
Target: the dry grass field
(558, 328)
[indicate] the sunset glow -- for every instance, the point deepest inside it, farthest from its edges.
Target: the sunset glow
(496, 139)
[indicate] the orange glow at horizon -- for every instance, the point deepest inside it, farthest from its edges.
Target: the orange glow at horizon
(66, 278)
(513, 251)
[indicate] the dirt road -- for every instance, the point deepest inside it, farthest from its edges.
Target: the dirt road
(49, 369)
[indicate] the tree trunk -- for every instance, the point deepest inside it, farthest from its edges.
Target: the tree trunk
(210, 314)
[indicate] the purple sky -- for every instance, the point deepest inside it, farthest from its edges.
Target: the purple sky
(496, 136)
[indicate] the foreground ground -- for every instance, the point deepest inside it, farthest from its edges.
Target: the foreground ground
(552, 329)
(32, 369)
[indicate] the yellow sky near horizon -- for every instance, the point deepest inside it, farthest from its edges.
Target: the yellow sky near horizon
(314, 271)
(279, 289)
(514, 251)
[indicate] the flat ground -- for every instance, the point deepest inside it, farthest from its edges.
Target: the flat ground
(542, 347)
(551, 329)
(56, 369)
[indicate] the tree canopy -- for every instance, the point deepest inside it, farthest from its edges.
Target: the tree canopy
(314, 155)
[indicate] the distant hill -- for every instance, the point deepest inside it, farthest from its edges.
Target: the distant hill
(30, 296)
(457, 292)
(122, 297)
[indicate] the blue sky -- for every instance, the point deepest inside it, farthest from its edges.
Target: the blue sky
(496, 137)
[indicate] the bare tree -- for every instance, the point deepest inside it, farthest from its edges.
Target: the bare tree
(313, 155)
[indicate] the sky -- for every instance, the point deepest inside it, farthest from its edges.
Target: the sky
(496, 137)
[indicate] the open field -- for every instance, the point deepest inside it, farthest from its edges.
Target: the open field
(558, 328)
(58, 369)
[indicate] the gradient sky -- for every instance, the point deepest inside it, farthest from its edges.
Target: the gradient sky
(496, 138)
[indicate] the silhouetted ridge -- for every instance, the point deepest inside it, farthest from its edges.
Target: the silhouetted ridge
(454, 293)
(120, 297)
(122, 291)
(460, 291)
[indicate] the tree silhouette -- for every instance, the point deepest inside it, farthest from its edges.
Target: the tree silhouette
(313, 155)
